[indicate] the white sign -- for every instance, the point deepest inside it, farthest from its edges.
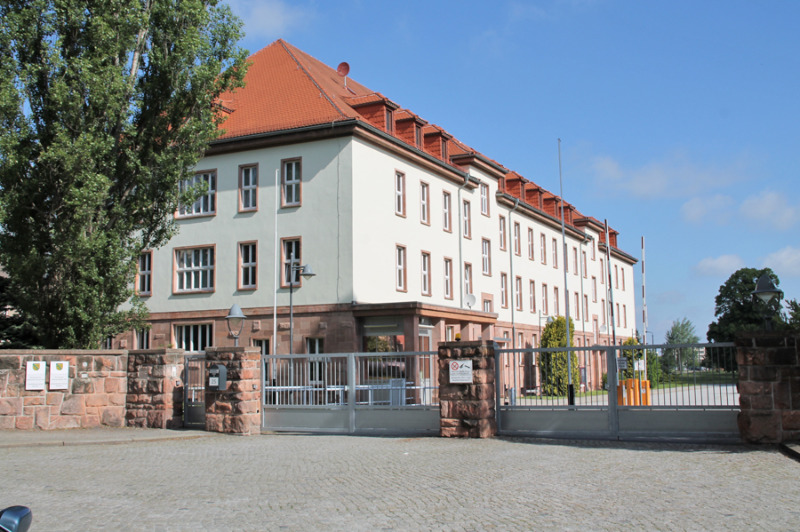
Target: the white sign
(622, 363)
(461, 372)
(639, 365)
(59, 375)
(34, 376)
(213, 381)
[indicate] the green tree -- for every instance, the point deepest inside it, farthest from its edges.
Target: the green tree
(793, 314)
(735, 309)
(675, 359)
(104, 108)
(653, 368)
(17, 331)
(631, 355)
(553, 365)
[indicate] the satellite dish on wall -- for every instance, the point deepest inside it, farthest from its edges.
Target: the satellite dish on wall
(343, 69)
(471, 300)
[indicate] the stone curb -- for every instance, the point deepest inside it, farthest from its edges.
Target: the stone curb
(792, 450)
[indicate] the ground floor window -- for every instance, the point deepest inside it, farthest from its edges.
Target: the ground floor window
(194, 338)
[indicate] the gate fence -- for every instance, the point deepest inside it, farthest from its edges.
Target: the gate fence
(666, 391)
(352, 392)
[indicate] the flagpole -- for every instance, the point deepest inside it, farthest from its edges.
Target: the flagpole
(565, 256)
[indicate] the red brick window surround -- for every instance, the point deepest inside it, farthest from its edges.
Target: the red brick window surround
(248, 188)
(291, 182)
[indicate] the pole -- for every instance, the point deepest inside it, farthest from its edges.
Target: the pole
(610, 291)
(291, 305)
(644, 311)
(565, 256)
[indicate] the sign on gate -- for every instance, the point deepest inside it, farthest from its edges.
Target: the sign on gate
(461, 372)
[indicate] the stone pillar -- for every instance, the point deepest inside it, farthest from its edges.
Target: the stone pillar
(769, 387)
(237, 410)
(155, 389)
(467, 410)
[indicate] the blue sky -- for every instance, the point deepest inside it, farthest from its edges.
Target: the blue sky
(679, 120)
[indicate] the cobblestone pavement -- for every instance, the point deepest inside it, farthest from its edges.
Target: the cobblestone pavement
(311, 482)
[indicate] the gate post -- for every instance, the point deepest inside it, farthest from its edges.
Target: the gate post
(467, 407)
(611, 382)
(237, 410)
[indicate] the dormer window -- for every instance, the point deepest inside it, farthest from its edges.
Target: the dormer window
(444, 149)
(418, 135)
(389, 121)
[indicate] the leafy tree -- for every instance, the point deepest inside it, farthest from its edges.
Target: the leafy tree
(632, 355)
(674, 359)
(104, 108)
(17, 331)
(793, 317)
(553, 365)
(653, 368)
(735, 309)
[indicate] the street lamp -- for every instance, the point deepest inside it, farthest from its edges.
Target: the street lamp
(766, 291)
(235, 320)
(307, 273)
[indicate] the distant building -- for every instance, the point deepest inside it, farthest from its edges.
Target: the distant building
(414, 237)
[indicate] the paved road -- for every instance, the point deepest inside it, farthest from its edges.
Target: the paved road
(307, 482)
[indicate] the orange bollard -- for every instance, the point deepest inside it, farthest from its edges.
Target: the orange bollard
(646, 393)
(620, 395)
(637, 393)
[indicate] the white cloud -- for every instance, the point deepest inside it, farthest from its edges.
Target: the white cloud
(716, 209)
(770, 208)
(723, 265)
(785, 262)
(674, 176)
(267, 20)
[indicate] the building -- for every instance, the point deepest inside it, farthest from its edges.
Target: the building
(414, 236)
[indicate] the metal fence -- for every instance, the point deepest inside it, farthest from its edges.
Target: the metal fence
(394, 380)
(647, 376)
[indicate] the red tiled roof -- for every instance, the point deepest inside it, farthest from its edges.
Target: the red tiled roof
(286, 88)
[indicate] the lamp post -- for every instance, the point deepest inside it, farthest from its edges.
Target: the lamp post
(307, 273)
(766, 291)
(235, 320)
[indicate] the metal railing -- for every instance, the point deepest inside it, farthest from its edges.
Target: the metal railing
(645, 376)
(394, 380)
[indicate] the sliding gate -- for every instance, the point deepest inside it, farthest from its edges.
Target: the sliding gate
(367, 393)
(670, 392)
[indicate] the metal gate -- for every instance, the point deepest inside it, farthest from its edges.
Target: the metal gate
(364, 393)
(194, 392)
(693, 396)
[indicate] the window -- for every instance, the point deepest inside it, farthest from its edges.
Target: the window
(248, 188)
(531, 245)
(426, 273)
(594, 289)
(291, 180)
(467, 278)
(623, 278)
(291, 251)
(617, 314)
(484, 199)
(418, 135)
(555, 254)
(577, 306)
(502, 233)
(194, 271)
(486, 257)
(467, 220)
(487, 305)
(556, 309)
(399, 194)
(545, 310)
(585, 307)
(144, 281)
(518, 292)
(532, 288)
(446, 216)
(205, 204)
(503, 290)
(602, 272)
(194, 338)
(603, 305)
(143, 339)
(448, 278)
(575, 261)
(389, 121)
(449, 333)
(444, 149)
(247, 266)
(517, 247)
(616, 276)
(543, 248)
(584, 264)
(400, 269)
(316, 367)
(424, 204)
(624, 316)
(594, 251)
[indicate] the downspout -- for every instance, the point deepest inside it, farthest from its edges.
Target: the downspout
(460, 222)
